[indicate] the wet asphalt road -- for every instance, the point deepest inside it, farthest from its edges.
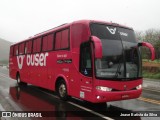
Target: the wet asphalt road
(31, 98)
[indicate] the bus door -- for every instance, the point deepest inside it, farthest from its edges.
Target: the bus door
(86, 70)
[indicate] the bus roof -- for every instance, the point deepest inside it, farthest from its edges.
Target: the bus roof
(86, 22)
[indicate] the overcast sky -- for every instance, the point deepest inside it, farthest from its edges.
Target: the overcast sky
(20, 19)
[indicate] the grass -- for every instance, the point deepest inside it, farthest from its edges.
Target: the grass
(148, 73)
(151, 75)
(155, 61)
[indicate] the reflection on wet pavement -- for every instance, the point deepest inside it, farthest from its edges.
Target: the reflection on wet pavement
(34, 99)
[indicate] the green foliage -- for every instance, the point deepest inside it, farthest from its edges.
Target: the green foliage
(148, 60)
(151, 75)
(152, 36)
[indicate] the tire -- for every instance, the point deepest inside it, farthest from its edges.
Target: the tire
(19, 82)
(62, 90)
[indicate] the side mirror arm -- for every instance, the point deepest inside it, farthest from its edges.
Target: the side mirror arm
(150, 46)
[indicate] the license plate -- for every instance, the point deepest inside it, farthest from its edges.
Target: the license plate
(125, 96)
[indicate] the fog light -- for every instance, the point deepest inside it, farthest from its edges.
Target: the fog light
(98, 97)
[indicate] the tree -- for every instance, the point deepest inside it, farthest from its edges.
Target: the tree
(152, 36)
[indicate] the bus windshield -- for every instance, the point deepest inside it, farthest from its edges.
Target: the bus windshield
(121, 57)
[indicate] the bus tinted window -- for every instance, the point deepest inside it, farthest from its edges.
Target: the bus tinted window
(62, 40)
(21, 48)
(50, 42)
(47, 42)
(85, 60)
(16, 50)
(28, 48)
(113, 33)
(37, 45)
(105, 32)
(127, 35)
(58, 41)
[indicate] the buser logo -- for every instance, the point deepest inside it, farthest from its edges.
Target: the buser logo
(20, 61)
(112, 30)
(37, 59)
(32, 60)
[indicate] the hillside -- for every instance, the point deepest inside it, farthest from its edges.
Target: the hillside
(4, 50)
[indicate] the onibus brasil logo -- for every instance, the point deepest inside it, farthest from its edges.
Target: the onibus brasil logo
(32, 60)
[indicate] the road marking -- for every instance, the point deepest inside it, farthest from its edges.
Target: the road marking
(1, 108)
(91, 111)
(149, 100)
(86, 109)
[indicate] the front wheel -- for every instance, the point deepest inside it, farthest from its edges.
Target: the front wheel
(62, 90)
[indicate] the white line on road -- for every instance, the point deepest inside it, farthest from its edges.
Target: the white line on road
(1, 108)
(86, 109)
(91, 111)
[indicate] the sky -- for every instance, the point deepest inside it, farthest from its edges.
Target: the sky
(21, 19)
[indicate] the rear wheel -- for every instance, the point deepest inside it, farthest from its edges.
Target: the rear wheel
(19, 82)
(62, 90)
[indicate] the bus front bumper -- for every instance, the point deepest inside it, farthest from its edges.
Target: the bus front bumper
(101, 96)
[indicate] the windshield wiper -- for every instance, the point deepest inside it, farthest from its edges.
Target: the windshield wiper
(118, 68)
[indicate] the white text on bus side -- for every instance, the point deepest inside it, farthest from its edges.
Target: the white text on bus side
(37, 59)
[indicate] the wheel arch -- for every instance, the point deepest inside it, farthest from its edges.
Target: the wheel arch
(17, 74)
(58, 79)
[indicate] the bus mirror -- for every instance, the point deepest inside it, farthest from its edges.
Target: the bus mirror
(97, 47)
(150, 46)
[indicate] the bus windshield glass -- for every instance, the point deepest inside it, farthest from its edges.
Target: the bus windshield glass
(121, 58)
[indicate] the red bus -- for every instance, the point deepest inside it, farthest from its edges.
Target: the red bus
(91, 60)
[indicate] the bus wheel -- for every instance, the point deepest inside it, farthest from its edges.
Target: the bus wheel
(62, 90)
(19, 82)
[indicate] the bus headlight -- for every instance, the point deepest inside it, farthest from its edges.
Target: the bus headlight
(103, 88)
(139, 87)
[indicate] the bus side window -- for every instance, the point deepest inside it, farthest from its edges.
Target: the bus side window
(47, 42)
(21, 49)
(62, 40)
(28, 47)
(65, 39)
(25, 51)
(16, 50)
(58, 41)
(50, 41)
(37, 45)
(85, 61)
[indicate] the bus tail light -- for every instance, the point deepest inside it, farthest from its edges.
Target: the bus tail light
(139, 87)
(103, 88)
